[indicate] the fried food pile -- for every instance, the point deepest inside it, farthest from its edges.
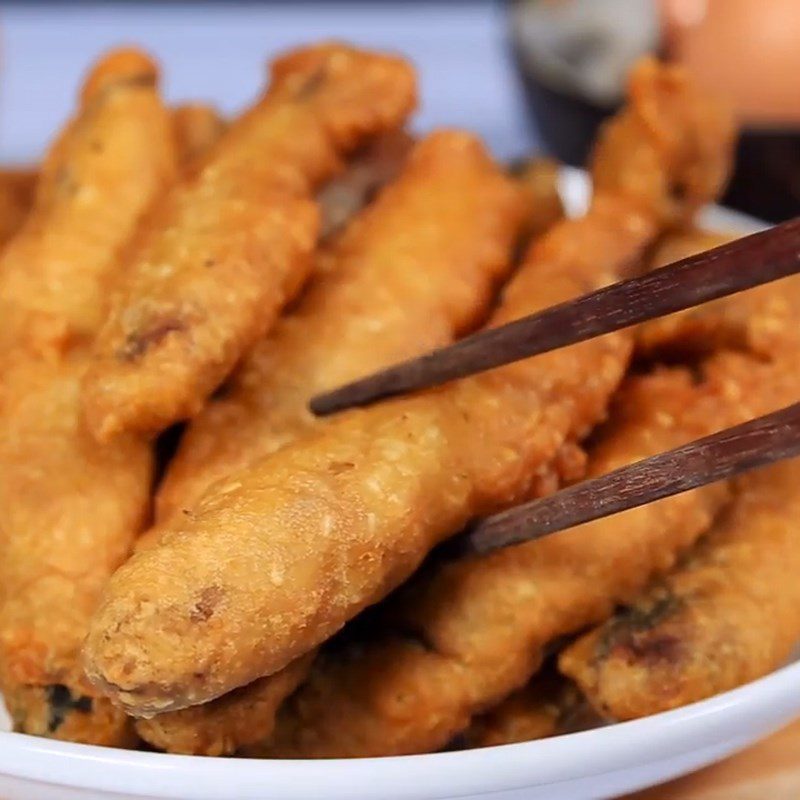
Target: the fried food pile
(191, 561)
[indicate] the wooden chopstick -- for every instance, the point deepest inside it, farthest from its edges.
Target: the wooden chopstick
(730, 452)
(733, 267)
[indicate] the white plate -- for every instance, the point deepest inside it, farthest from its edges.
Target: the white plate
(600, 763)
(595, 764)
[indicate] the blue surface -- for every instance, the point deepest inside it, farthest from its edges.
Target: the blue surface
(217, 52)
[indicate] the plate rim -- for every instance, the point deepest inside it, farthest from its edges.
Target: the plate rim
(575, 756)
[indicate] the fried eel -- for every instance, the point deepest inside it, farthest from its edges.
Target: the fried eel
(390, 286)
(69, 509)
(231, 245)
(236, 720)
(483, 623)
(282, 553)
(547, 706)
(459, 639)
(539, 179)
(409, 274)
(197, 127)
(94, 185)
(730, 614)
(760, 321)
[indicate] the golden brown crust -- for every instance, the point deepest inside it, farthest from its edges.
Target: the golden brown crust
(339, 519)
(389, 287)
(729, 615)
(230, 246)
(241, 718)
(544, 707)
(197, 128)
(761, 321)
(485, 622)
(95, 184)
(356, 506)
(69, 509)
(666, 114)
(685, 242)
(60, 712)
(474, 627)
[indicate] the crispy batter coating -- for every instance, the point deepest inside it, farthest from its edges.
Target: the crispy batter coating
(17, 188)
(334, 521)
(69, 509)
(58, 711)
(729, 615)
(238, 719)
(761, 321)
(197, 128)
(463, 636)
(475, 629)
(341, 198)
(231, 245)
(416, 698)
(685, 242)
(96, 182)
(544, 707)
(284, 552)
(666, 114)
(393, 285)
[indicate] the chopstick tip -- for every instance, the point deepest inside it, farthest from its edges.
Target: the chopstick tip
(323, 405)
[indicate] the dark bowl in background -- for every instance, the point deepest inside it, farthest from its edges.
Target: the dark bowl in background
(567, 124)
(766, 178)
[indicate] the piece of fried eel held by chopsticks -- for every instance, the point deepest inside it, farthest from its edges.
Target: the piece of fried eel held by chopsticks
(390, 286)
(465, 634)
(484, 622)
(70, 508)
(232, 244)
(761, 321)
(290, 548)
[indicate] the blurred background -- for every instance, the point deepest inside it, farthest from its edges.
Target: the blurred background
(527, 75)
